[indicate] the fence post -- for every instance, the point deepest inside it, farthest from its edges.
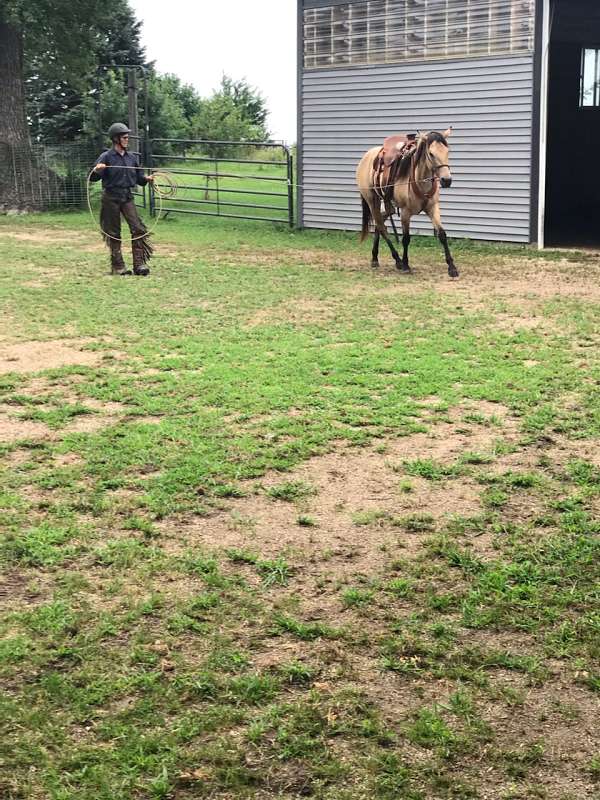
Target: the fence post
(290, 185)
(147, 161)
(133, 105)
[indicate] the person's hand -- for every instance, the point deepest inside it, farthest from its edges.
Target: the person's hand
(100, 167)
(150, 178)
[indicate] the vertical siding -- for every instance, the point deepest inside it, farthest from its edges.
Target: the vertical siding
(488, 101)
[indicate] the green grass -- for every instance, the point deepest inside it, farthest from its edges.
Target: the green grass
(174, 621)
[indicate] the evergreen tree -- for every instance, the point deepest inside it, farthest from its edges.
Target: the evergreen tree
(62, 107)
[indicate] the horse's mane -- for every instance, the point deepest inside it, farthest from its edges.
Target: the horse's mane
(417, 155)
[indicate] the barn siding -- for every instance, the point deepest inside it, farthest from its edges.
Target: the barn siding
(488, 101)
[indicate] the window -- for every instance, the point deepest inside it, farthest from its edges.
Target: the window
(387, 31)
(590, 78)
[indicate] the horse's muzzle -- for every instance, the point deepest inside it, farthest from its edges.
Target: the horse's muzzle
(446, 183)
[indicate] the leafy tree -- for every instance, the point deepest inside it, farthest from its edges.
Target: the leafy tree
(250, 103)
(59, 104)
(171, 106)
(58, 34)
(235, 112)
(219, 119)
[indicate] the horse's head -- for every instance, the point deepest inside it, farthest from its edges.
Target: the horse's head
(437, 154)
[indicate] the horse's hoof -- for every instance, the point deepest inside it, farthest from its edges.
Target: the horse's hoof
(453, 272)
(374, 264)
(404, 268)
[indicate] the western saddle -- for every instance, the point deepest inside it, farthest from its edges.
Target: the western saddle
(387, 164)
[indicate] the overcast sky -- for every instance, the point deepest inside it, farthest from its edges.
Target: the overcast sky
(198, 41)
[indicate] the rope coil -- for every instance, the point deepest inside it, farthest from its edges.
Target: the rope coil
(164, 185)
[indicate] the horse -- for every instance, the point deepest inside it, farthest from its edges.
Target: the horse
(415, 180)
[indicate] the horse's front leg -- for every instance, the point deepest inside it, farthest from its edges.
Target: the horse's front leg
(405, 219)
(434, 215)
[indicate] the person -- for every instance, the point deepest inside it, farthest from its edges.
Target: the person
(120, 171)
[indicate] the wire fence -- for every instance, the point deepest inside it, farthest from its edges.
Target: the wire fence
(44, 176)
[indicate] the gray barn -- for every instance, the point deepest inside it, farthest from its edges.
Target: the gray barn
(519, 80)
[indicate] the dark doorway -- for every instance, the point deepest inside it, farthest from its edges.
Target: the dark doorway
(572, 166)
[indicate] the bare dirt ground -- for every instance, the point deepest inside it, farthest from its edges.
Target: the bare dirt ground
(36, 356)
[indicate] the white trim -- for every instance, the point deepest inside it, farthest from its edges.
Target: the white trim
(543, 122)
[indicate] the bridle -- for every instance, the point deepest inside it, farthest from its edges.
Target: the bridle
(425, 197)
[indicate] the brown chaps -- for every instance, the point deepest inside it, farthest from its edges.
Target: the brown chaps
(110, 222)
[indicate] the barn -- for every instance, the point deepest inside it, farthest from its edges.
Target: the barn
(519, 81)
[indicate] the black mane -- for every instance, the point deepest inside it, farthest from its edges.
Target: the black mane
(419, 153)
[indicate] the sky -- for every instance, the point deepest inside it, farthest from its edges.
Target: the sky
(199, 40)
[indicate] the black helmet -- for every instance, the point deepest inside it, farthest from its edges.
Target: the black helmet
(117, 129)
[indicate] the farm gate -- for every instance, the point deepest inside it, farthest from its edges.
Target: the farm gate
(238, 180)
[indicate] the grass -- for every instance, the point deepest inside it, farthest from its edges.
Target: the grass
(185, 615)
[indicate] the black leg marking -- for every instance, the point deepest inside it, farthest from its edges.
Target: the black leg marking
(452, 271)
(405, 244)
(395, 230)
(375, 250)
(393, 250)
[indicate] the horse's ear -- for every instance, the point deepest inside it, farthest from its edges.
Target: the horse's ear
(447, 133)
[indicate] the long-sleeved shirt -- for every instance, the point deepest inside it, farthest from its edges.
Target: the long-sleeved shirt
(119, 182)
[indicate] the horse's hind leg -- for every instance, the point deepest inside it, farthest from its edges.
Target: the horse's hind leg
(375, 250)
(394, 228)
(405, 217)
(393, 251)
(381, 229)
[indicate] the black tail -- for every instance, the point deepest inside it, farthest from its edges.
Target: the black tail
(366, 219)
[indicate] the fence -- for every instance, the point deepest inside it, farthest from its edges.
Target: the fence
(44, 176)
(238, 180)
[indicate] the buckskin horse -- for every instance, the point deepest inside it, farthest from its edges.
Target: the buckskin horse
(405, 174)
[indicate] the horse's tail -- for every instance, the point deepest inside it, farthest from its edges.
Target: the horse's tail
(366, 219)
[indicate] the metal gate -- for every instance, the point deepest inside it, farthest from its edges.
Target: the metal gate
(239, 180)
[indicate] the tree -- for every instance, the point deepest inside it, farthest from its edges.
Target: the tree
(234, 113)
(171, 106)
(249, 102)
(62, 35)
(58, 32)
(61, 106)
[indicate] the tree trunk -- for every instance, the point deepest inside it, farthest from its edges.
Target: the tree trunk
(13, 117)
(26, 184)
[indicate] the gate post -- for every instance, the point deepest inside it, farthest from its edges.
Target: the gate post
(290, 184)
(132, 104)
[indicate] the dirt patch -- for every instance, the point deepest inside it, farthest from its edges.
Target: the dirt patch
(103, 406)
(37, 356)
(49, 236)
(14, 430)
(561, 451)
(302, 311)
(16, 589)
(68, 460)
(357, 508)
(89, 423)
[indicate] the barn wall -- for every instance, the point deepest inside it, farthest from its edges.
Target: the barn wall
(488, 101)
